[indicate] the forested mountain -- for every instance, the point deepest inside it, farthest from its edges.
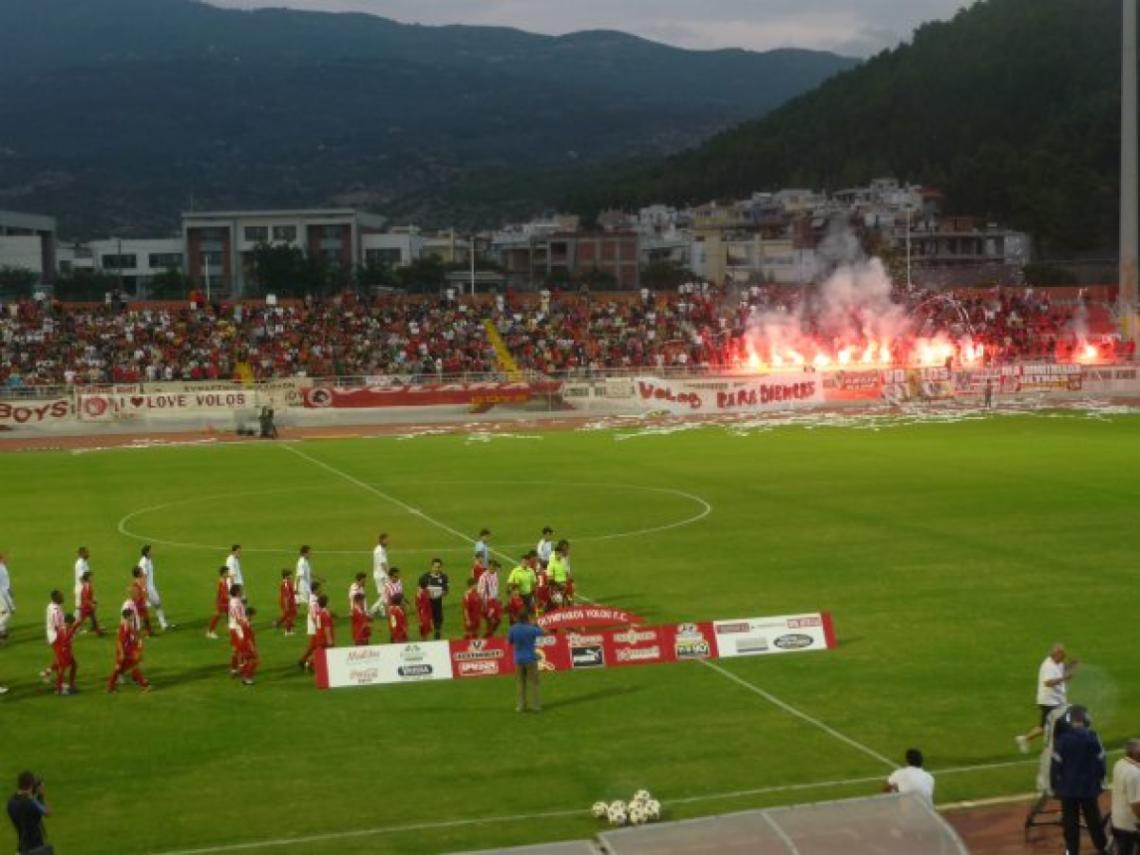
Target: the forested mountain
(117, 114)
(1011, 108)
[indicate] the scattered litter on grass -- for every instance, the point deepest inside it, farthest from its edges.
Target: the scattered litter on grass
(487, 436)
(423, 432)
(877, 419)
(146, 443)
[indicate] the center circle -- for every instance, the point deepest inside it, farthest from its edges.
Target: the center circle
(331, 507)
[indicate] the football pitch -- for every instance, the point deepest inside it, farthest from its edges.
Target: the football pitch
(951, 554)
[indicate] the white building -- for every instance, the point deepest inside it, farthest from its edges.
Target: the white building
(137, 260)
(28, 242)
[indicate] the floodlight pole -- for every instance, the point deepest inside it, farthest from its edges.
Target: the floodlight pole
(1129, 177)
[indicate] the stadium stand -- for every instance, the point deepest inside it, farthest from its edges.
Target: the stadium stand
(52, 343)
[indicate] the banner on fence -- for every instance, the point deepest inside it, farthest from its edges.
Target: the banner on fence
(574, 650)
(94, 408)
(431, 395)
(34, 412)
(728, 394)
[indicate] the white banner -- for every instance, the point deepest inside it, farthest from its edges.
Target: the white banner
(768, 635)
(95, 408)
(376, 664)
(729, 394)
(34, 411)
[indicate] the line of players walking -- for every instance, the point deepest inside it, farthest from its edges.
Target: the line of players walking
(540, 582)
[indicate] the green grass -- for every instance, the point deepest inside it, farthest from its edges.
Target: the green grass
(951, 555)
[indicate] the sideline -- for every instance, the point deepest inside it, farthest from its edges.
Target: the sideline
(487, 820)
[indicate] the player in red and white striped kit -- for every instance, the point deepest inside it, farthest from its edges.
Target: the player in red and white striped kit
(239, 640)
(488, 587)
(392, 586)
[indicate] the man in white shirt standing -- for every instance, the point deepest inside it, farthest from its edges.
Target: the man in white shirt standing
(912, 778)
(1052, 690)
(81, 567)
(146, 564)
(380, 573)
(545, 547)
(303, 576)
(7, 604)
(1126, 800)
(233, 564)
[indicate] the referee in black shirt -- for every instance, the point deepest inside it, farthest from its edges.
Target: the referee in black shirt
(435, 580)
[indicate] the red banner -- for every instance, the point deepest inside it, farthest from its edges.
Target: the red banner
(481, 657)
(432, 395)
(583, 616)
(640, 645)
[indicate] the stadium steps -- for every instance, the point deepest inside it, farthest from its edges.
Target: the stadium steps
(503, 356)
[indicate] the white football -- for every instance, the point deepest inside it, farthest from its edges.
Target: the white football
(638, 815)
(617, 814)
(599, 810)
(641, 796)
(653, 808)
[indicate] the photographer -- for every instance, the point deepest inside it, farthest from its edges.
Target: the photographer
(27, 809)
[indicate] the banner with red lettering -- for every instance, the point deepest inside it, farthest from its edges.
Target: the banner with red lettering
(428, 395)
(33, 412)
(729, 394)
(97, 408)
(481, 657)
(584, 616)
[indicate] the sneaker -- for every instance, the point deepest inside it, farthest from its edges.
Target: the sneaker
(247, 682)
(3, 690)
(45, 675)
(146, 688)
(1022, 744)
(211, 635)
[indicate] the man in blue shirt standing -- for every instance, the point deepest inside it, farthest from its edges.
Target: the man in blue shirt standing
(27, 809)
(1077, 773)
(523, 637)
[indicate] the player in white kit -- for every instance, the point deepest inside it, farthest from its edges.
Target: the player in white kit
(380, 574)
(233, 563)
(81, 567)
(146, 564)
(303, 576)
(7, 604)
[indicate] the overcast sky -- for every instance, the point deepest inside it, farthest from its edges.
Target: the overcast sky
(853, 27)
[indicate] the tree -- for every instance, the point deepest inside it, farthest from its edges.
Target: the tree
(375, 276)
(17, 282)
(169, 285)
(288, 272)
(665, 275)
(85, 285)
(425, 274)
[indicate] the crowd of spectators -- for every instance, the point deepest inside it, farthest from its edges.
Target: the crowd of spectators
(51, 343)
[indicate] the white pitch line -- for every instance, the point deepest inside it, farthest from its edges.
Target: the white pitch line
(788, 708)
(487, 820)
(768, 696)
(364, 485)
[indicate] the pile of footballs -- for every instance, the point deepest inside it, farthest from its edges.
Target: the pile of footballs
(642, 808)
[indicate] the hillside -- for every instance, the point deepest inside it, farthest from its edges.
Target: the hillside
(1011, 108)
(119, 113)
